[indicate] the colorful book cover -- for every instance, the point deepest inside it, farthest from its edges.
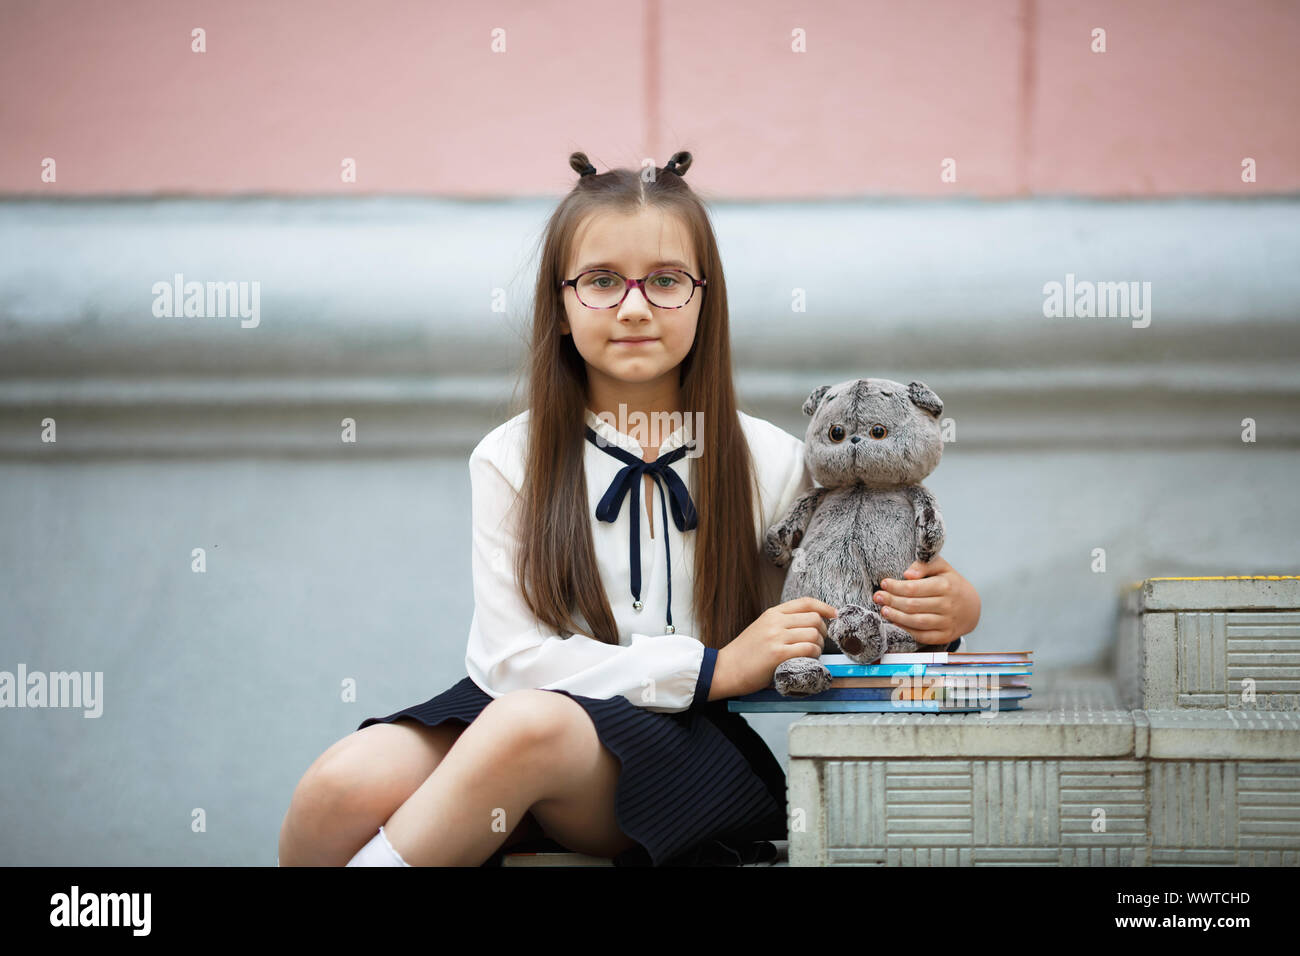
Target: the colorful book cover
(851, 669)
(901, 693)
(916, 670)
(952, 680)
(955, 657)
(966, 670)
(808, 705)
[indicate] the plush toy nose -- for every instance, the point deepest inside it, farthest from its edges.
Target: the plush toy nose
(855, 439)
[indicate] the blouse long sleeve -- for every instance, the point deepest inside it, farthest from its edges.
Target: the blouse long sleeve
(785, 476)
(509, 650)
(798, 479)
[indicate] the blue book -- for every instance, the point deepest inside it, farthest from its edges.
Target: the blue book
(875, 670)
(841, 665)
(809, 705)
(886, 693)
(946, 670)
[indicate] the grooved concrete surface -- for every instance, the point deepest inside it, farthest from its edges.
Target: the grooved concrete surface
(1075, 779)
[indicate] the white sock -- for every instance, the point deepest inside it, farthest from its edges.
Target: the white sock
(378, 852)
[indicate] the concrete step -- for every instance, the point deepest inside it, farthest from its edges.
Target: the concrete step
(1211, 643)
(1075, 778)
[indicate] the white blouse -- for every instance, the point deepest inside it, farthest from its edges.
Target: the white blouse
(652, 667)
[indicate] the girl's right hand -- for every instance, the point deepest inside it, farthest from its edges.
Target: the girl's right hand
(794, 629)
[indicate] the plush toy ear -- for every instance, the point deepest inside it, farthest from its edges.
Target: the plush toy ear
(813, 400)
(923, 396)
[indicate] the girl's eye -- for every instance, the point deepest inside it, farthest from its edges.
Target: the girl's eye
(599, 279)
(836, 433)
(878, 431)
(667, 280)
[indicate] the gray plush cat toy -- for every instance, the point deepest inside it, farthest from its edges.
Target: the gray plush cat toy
(870, 442)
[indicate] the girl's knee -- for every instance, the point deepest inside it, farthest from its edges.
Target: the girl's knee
(535, 720)
(340, 781)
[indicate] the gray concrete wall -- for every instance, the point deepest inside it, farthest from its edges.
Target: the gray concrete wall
(330, 562)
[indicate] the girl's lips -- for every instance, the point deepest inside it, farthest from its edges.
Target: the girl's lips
(634, 341)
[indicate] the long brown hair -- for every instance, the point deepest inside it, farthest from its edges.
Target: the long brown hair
(556, 564)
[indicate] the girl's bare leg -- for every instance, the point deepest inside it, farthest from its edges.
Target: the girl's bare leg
(527, 750)
(357, 783)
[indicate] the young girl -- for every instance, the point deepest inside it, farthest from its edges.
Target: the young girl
(606, 638)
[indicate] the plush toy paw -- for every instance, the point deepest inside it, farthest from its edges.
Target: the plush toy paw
(897, 640)
(801, 677)
(779, 545)
(858, 632)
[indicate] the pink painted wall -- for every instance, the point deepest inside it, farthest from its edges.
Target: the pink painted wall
(885, 92)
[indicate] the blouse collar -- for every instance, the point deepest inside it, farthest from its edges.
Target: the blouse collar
(607, 431)
(627, 485)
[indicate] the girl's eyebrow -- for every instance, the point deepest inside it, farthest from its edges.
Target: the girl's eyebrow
(654, 265)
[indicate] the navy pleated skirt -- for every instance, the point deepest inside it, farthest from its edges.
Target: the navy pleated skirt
(695, 787)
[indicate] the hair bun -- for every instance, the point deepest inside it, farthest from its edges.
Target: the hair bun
(581, 165)
(679, 163)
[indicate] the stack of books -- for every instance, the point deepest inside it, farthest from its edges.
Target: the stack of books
(936, 682)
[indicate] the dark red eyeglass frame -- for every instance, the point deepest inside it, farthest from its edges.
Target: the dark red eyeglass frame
(639, 283)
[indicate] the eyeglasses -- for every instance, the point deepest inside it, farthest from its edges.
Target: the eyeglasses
(605, 289)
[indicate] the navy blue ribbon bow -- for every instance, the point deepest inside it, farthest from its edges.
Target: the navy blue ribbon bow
(628, 480)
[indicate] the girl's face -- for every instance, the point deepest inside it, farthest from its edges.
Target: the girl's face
(633, 245)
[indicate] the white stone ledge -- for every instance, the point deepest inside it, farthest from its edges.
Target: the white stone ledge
(1029, 787)
(385, 306)
(1080, 408)
(408, 284)
(1247, 592)
(1068, 717)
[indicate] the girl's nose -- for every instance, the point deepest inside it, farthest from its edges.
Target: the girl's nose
(634, 303)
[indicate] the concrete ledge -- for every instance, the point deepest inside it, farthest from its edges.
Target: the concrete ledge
(412, 313)
(1083, 718)
(1074, 780)
(1214, 593)
(1224, 735)
(1211, 643)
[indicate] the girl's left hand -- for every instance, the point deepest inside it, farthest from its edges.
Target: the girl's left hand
(934, 604)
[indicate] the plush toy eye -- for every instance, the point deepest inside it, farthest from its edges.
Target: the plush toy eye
(878, 431)
(836, 433)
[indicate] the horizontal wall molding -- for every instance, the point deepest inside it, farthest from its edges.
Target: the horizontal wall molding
(386, 310)
(1196, 407)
